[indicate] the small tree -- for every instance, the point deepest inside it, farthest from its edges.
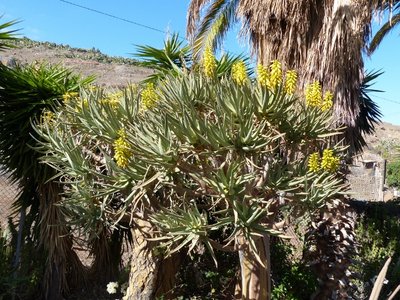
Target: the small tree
(195, 154)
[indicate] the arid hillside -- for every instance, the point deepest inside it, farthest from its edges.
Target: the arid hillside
(109, 71)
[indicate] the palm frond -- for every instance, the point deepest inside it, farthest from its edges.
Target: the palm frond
(219, 18)
(382, 33)
(174, 56)
(194, 15)
(368, 117)
(226, 61)
(370, 113)
(7, 35)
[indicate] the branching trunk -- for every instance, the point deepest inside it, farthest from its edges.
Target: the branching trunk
(255, 277)
(151, 276)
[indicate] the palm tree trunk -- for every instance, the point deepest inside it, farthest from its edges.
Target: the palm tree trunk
(63, 268)
(330, 249)
(255, 277)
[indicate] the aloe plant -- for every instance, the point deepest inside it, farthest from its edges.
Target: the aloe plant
(192, 155)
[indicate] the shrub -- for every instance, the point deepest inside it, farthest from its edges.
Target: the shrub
(393, 174)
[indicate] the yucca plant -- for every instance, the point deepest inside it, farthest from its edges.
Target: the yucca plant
(194, 154)
(28, 94)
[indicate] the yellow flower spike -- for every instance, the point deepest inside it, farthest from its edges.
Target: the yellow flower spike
(114, 99)
(313, 162)
(149, 96)
(209, 63)
(69, 95)
(47, 117)
(121, 150)
(327, 102)
(329, 161)
(93, 88)
(275, 76)
(239, 74)
(290, 82)
(262, 75)
(313, 94)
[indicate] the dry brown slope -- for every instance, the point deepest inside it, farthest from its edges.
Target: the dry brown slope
(386, 135)
(109, 71)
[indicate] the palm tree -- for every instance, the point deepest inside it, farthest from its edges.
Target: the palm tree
(322, 40)
(174, 56)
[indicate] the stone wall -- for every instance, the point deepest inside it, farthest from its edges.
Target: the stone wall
(367, 178)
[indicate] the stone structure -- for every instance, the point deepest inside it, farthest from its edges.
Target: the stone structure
(367, 178)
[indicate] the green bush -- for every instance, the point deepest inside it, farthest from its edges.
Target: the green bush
(393, 174)
(378, 235)
(23, 282)
(292, 279)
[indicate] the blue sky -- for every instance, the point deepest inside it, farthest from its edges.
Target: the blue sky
(64, 23)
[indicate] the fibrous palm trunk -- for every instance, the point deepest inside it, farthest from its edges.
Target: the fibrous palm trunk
(63, 267)
(106, 252)
(331, 246)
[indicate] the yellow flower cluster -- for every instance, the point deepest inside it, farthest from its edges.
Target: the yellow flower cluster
(329, 161)
(275, 76)
(113, 99)
(290, 82)
(314, 97)
(82, 104)
(313, 162)
(209, 63)
(239, 74)
(47, 117)
(93, 88)
(121, 150)
(69, 95)
(314, 94)
(262, 75)
(149, 96)
(327, 102)
(272, 77)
